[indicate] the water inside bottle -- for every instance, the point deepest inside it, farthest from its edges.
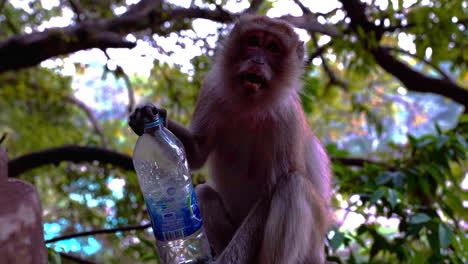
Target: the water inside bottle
(172, 205)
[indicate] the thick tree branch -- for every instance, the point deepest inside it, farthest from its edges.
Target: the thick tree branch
(30, 49)
(418, 82)
(68, 153)
(75, 153)
(432, 65)
(412, 79)
(99, 231)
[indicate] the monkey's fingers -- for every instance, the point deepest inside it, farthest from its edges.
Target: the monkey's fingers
(135, 125)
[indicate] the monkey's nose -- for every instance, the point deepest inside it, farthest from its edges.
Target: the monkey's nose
(258, 59)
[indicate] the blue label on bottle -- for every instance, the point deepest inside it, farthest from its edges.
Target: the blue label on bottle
(174, 218)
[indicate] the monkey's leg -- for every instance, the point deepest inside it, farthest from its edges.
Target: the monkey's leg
(216, 221)
(297, 224)
(245, 245)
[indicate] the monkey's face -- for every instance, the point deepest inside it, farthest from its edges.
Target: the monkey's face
(261, 54)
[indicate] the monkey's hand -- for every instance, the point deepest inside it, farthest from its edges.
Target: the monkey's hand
(143, 112)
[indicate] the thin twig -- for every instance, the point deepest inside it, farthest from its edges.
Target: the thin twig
(331, 74)
(91, 118)
(78, 9)
(75, 258)
(119, 72)
(254, 6)
(304, 9)
(317, 53)
(329, 13)
(4, 136)
(99, 231)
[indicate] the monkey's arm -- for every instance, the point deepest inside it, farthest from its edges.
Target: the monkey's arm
(196, 150)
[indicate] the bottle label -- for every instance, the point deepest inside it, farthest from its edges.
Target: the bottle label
(175, 215)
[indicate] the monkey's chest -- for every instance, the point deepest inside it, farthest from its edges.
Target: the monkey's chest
(242, 171)
(249, 158)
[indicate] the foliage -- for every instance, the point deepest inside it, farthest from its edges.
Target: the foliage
(420, 191)
(406, 208)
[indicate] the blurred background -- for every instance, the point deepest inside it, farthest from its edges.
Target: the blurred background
(384, 88)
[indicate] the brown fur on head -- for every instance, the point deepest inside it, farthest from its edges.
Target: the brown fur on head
(280, 72)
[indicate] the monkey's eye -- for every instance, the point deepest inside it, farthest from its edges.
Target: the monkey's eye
(273, 47)
(253, 41)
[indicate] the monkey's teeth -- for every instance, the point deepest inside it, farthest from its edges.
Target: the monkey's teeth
(252, 85)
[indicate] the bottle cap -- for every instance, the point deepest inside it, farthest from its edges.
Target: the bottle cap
(152, 121)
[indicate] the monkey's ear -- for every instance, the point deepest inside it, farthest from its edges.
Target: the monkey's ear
(300, 50)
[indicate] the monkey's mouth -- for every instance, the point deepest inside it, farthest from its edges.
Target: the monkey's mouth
(252, 81)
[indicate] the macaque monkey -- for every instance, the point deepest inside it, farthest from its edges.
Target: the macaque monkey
(267, 198)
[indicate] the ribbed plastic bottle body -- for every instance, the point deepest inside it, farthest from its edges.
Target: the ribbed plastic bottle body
(164, 178)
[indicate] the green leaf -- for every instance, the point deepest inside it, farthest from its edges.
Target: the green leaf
(445, 235)
(441, 141)
(438, 129)
(462, 140)
(376, 196)
(424, 142)
(384, 178)
(392, 197)
(419, 218)
(337, 240)
(398, 180)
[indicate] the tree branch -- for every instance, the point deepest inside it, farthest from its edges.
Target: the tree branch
(412, 79)
(30, 49)
(418, 82)
(119, 72)
(355, 162)
(91, 117)
(75, 258)
(304, 9)
(254, 6)
(78, 9)
(77, 154)
(99, 231)
(331, 74)
(311, 24)
(4, 136)
(317, 53)
(68, 153)
(437, 69)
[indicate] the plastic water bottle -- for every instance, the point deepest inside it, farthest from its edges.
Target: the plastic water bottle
(161, 166)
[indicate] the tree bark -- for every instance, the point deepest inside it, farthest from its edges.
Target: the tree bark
(68, 153)
(77, 154)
